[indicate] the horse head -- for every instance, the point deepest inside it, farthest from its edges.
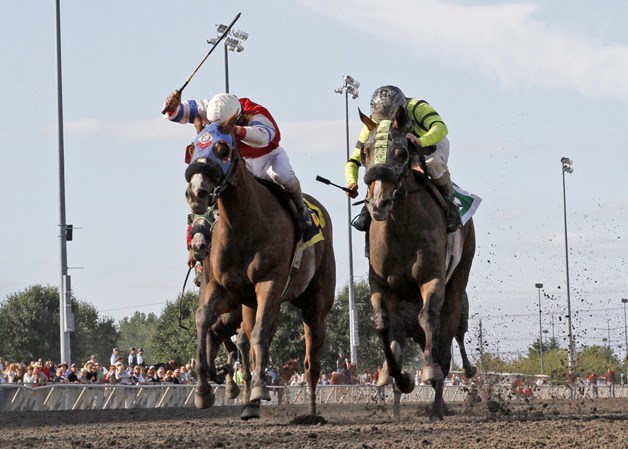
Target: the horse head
(386, 157)
(212, 169)
(200, 234)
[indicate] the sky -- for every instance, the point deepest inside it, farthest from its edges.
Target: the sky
(519, 85)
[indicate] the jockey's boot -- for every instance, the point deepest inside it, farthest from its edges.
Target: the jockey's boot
(362, 221)
(304, 218)
(447, 189)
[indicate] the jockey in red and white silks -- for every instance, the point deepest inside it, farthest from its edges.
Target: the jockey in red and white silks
(257, 133)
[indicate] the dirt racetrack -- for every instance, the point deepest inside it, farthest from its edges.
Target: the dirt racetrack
(584, 423)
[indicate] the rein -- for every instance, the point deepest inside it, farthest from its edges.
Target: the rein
(181, 301)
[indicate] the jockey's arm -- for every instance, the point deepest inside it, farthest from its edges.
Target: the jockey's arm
(258, 133)
(188, 111)
(428, 124)
(355, 161)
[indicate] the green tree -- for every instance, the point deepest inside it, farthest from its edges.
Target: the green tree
(138, 331)
(29, 327)
(289, 341)
(170, 341)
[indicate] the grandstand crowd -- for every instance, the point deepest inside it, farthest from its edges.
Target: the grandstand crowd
(131, 370)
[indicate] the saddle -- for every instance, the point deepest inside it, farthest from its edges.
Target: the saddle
(312, 234)
(418, 166)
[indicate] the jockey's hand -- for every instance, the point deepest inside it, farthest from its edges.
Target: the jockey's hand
(172, 102)
(353, 190)
(414, 139)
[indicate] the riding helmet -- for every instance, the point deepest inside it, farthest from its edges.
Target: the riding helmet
(385, 102)
(222, 107)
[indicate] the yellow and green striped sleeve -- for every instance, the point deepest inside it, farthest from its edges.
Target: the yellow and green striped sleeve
(428, 124)
(355, 161)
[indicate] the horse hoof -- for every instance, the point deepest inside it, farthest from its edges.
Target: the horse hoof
(432, 373)
(232, 390)
(250, 411)
(405, 383)
(204, 399)
(435, 419)
(470, 372)
(260, 393)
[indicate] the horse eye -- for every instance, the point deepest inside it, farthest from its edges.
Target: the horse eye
(399, 154)
(366, 152)
(221, 151)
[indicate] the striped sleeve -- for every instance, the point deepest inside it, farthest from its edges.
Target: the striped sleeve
(355, 161)
(188, 111)
(428, 123)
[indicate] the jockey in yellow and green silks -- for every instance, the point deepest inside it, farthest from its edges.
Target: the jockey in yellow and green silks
(428, 131)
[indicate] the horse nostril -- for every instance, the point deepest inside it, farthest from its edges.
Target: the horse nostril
(202, 194)
(200, 251)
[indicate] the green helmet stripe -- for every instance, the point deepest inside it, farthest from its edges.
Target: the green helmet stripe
(381, 141)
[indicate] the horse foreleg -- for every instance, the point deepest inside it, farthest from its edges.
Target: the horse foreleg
(429, 320)
(204, 396)
(436, 412)
(390, 328)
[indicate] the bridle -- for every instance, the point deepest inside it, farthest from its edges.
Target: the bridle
(383, 172)
(209, 163)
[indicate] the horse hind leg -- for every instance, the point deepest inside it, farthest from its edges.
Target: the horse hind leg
(232, 390)
(250, 409)
(469, 369)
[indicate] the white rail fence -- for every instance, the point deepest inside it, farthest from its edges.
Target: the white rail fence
(15, 397)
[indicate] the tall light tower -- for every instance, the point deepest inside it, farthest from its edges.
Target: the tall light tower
(567, 168)
(66, 319)
(232, 42)
(350, 87)
(625, 300)
(539, 286)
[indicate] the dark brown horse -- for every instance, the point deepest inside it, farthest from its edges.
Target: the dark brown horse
(408, 259)
(252, 249)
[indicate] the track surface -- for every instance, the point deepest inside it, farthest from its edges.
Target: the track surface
(599, 423)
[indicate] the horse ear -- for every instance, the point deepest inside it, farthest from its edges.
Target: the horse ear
(198, 124)
(402, 121)
(370, 124)
(227, 127)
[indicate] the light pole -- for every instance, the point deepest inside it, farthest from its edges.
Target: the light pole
(625, 300)
(350, 87)
(567, 168)
(66, 319)
(539, 286)
(232, 41)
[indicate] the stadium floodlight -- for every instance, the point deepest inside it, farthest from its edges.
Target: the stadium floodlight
(233, 42)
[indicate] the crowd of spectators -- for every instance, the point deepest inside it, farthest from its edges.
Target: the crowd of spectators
(132, 371)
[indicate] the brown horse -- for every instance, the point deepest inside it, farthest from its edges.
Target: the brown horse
(408, 259)
(252, 246)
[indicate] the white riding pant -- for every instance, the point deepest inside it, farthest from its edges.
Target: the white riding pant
(437, 161)
(274, 167)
